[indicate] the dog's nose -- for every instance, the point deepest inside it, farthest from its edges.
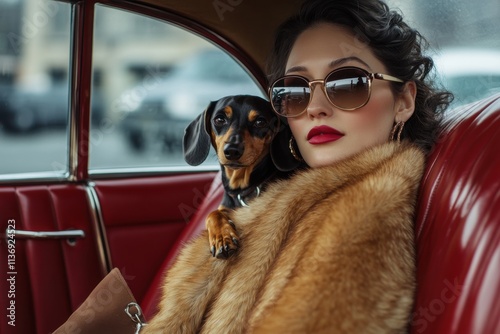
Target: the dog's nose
(233, 149)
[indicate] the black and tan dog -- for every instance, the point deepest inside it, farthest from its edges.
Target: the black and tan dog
(241, 129)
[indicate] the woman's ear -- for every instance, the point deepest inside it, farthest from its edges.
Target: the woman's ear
(405, 104)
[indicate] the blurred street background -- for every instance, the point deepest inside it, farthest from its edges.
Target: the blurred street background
(150, 78)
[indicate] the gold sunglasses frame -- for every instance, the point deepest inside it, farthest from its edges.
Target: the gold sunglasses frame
(370, 76)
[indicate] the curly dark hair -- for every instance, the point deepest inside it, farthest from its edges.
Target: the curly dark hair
(398, 46)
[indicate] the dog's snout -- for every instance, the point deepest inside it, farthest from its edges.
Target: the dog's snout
(233, 151)
(234, 147)
(234, 139)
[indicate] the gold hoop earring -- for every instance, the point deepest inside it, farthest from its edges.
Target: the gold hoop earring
(292, 150)
(398, 127)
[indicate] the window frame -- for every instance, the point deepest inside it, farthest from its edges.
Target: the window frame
(80, 93)
(81, 68)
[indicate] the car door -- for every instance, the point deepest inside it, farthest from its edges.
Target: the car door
(77, 200)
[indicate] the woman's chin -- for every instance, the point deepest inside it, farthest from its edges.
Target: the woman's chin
(325, 157)
(316, 162)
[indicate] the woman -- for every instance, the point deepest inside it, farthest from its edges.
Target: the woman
(331, 248)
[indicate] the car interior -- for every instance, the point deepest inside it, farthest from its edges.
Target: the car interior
(78, 202)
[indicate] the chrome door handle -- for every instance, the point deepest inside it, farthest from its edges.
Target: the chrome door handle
(66, 234)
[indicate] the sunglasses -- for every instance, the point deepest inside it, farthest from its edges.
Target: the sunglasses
(347, 88)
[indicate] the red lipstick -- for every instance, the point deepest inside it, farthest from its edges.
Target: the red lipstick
(323, 134)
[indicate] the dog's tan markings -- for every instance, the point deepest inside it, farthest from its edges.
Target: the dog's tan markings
(256, 149)
(238, 178)
(219, 143)
(213, 137)
(252, 115)
(229, 112)
(222, 139)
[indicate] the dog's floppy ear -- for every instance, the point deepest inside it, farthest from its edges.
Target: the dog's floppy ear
(196, 143)
(280, 151)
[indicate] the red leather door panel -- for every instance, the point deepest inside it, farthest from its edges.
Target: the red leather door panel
(48, 278)
(143, 218)
(51, 278)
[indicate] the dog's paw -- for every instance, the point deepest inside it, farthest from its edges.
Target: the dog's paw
(230, 242)
(222, 236)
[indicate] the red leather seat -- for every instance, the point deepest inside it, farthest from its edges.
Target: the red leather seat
(457, 228)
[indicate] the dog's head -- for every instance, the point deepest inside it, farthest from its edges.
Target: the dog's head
(240, 128)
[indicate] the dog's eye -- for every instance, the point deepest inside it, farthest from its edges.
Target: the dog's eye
(260, 122)
(220, 120)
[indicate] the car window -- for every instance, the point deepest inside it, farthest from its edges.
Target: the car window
(464, 43)
(34, 86)
(151, 83)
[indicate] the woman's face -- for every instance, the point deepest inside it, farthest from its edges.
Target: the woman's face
(316, 52)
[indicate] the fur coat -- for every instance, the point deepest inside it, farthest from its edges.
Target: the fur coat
(330, 250)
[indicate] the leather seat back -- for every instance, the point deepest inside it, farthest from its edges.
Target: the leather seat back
(458, 227)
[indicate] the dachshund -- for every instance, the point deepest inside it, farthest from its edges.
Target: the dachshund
(241, 129)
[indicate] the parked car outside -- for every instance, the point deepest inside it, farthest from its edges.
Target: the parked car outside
(5, 92)
(168, 107)
(33, 107)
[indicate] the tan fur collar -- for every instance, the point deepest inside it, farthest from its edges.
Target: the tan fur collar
(329, 249)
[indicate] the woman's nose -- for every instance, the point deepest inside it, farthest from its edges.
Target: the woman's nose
(319, 105)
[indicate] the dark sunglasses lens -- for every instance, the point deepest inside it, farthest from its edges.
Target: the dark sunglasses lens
(290, 96)
(348, 88)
